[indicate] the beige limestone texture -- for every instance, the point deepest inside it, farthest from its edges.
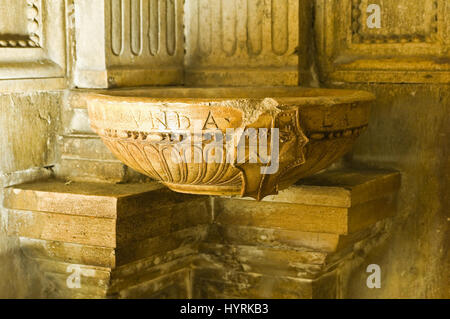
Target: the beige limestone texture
(28, 123)
(408, 131)
(247, 42)
(411, 45)
(127, 43)
(142, 240)
(28, 126)
(128, 240)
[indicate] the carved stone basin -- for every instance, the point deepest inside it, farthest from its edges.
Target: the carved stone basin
(229, 141)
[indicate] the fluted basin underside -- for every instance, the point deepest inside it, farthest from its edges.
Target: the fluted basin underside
(254, 141)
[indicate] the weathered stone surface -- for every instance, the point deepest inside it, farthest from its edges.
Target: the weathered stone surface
(284, 216)
(296, 217)
(113, 50)
(28, 128)
(28, 124)
(84, 157)
(188, 238)
(281, 262)
(82, 170)
(279, 238)
(409, 44)
(74, 198)
(271, 237)
(142, 240)
(94, 281)
(127, 239)
(242, 272)
(68, 252)
(162, 220)
(32, 85)
(85, 147)
(304, 239)
(59, 212)
(142, 271)
(246, 43)
(59, 227)
(349, 202)
(341, 188)
(175, 285)
(77, 198)
(75, 120)
(21, 277)
(409, 132)
(213, 283)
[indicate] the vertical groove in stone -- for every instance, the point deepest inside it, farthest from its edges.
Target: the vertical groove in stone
(204, 27)
(171, 18)
(154, 26)
(228, 26)
(191, 27)
(117, 27)
(136, 27)
(255, 14)
(280, 26)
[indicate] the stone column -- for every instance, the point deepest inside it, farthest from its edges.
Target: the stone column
(128, 43)
(246, 42)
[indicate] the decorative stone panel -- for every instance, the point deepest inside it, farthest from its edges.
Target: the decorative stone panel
(24, 35)
(32, 40)
(410, 45)
(128, 43)
(242, 42)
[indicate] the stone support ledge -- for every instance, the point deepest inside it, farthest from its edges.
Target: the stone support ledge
(144, 241)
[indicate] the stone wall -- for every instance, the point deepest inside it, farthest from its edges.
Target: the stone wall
(410, 132)
(29, 122)
(405, 63)
(32, 71)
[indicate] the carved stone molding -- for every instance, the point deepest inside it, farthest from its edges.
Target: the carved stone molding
(231, 42)
(411, 46)
(161, 133)
(428, 34)
(32, 40)
(193, 42)
(134, 42)
(152, 31)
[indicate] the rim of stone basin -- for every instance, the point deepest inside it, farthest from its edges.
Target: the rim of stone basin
(283, 95)
(125, 119)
